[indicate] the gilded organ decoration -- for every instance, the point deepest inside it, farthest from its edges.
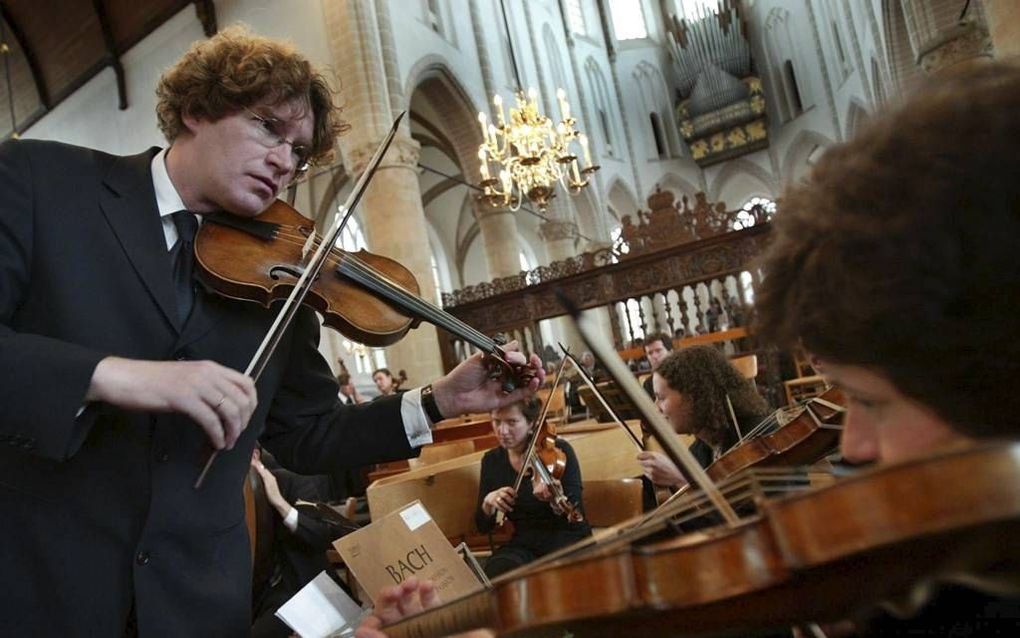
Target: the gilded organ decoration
(721, 110)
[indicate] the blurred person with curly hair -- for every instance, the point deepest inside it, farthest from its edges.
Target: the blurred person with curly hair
(895, 266)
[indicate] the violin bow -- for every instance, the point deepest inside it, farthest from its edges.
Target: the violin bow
(598, 394)
(660, 428)
(311, 272)
(500, 516)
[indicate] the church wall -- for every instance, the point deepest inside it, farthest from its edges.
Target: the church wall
(90, 116)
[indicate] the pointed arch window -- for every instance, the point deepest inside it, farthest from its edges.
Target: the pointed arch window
(628, 19)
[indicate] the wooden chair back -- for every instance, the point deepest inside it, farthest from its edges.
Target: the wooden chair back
(437, 453)
(258, 517)
(608, 502)
(747, 365)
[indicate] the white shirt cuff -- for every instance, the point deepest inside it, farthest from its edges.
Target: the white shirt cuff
(416, 424)
(290, 521)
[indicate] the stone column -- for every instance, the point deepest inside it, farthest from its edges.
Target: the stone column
(395, 226)
(1004, 26)
(362, 45)
(559, 236)
(498, 227)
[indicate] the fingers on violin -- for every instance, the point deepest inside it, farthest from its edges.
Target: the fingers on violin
(410, 598)
(387, 608)
(429, 595)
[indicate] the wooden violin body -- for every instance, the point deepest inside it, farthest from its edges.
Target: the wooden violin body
(803, 440)
(815, 556)
(241, 265)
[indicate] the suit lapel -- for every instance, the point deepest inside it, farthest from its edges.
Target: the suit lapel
(129, 203)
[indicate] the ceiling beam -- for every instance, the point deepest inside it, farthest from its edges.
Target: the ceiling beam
(30, 58)
(206, 12)
(112, 55)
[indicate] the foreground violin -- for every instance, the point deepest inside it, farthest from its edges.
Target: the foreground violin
(816, 556)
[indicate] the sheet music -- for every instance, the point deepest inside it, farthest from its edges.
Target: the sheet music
(321, 609)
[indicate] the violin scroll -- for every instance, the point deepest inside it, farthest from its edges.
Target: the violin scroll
(510, 375)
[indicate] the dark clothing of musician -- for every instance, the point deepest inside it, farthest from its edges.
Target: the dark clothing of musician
(953, 610)
(298, 554)
(538, 530)
(100, 521)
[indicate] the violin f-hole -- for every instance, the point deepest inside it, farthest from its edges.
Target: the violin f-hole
(276, 271)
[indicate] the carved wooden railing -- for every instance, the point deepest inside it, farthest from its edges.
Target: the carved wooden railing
(696, 287)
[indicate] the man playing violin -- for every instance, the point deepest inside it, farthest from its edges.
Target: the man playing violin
(896, 265)
(116, 377)
(538, 527)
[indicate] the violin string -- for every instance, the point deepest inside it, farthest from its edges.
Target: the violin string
(697, 501)
(378, 282)
(538, 427)
(424, 308)
(598, 394)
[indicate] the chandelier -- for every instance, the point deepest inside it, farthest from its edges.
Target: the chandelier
(525, 155)
(530, 154)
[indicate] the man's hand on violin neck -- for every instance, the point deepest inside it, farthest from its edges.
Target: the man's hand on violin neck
(219, 399)
(468, 388)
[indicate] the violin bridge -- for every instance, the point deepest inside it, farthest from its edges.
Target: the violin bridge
(307, 248)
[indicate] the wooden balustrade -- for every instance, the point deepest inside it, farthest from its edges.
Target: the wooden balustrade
(695, 291)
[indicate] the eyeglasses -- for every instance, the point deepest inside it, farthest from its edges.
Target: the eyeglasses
(268, 134)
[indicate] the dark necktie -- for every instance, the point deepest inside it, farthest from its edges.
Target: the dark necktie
(187, 225)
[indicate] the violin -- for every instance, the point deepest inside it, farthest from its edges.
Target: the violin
(888, 531)
(547, 461)
(399, 380)
(807, 437)
(369, 298)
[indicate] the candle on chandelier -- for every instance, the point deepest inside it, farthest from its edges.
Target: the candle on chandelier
(583, 139)
(497, 101)
(561, 95)
(482, 157)
(484, 121)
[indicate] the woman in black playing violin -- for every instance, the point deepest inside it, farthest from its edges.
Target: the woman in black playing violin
(538, 527)
(691, 388)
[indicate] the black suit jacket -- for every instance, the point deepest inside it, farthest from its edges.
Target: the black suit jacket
(99, 512)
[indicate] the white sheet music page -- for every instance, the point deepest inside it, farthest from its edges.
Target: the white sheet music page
(321, 609)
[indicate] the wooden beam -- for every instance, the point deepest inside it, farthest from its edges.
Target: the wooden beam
(112, 55)
(30, 58)
(206, 12)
